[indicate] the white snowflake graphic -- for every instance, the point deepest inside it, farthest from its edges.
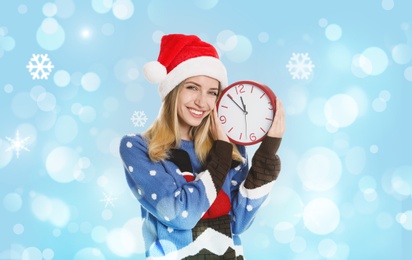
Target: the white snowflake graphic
(139, 118)
(300, 66)
(108, 199)
(17, 144)
(40, 66)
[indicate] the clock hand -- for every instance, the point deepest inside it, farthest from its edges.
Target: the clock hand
(245, 112)
(236, 103)
(244, 106)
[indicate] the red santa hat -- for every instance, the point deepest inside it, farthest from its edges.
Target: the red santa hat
(183, 56)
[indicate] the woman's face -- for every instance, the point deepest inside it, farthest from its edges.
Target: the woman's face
(197, 98)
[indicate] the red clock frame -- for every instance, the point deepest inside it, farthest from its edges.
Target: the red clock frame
(264, 88)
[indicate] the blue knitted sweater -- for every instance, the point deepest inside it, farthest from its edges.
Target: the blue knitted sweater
(191, 210)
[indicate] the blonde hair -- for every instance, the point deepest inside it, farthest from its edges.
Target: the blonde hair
(164, 133)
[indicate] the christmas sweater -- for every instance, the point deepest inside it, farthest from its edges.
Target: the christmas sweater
(195, 211)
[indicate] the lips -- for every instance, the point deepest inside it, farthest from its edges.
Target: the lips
(196, 113)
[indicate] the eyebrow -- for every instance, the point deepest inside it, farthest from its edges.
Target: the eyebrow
(197, 84)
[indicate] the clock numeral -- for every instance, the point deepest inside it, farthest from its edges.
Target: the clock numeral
(240, 89)
(222, 119)
(270, 106)
(252, 137)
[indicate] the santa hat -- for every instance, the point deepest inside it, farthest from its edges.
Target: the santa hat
(180, 57)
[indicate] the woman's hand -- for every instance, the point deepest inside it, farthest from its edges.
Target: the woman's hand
(278, 125)
(216, 127)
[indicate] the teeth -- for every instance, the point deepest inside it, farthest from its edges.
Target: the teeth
(196, 112)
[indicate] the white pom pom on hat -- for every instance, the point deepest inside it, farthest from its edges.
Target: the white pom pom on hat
(180, 57)
(154, 72)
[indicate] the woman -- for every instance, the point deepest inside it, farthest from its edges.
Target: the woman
(196, 190)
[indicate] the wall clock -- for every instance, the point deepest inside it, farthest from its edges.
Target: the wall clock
(246, 110)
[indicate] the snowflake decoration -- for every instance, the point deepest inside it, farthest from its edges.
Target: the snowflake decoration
(17, 144)
(40, 66)
(300, 66)
(139, 118)
(108, 199)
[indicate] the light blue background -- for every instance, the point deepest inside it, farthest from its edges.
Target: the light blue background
(346, 182)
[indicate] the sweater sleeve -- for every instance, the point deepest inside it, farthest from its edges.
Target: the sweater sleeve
(162, 190)
(254, 185)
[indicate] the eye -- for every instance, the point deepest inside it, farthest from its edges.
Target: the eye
(192, 87)
(214, 93)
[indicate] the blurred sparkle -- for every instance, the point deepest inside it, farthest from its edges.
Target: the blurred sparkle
(17, 144)
(85, 33)
(108, 199)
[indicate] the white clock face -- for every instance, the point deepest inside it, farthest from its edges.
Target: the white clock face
(246, 113)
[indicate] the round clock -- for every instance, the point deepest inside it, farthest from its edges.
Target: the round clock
(246, 110)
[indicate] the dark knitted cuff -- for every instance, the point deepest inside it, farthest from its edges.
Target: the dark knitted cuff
(219, 161)
(270, 145)
(265, 164)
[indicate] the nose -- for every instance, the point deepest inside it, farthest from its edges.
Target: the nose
(200, 100)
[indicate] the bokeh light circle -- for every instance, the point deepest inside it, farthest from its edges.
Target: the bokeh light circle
(55, 211)
(319, 169)
(123, 9)
(333, 32)
(61, 78)
(388, 4)
(408, 73)
(402, 54)
(284, 232)
(327, 248)
(379, 104)
(374, 61)
(287, 203)
(18, 229)
(401, 180)
(7, 43)
(50, 35)
(341, 110)
(49, 9)
(405, 219)
(242, 51)
(102, 6)
(226, 40)
(263, 37)
(65, 8)
(90, 81)
(87, 114)
(321, 216)
(127, 240)
(89, 253)
(123, 69)
(46, 101)
(61, 164)
(298, 245)
(31, 253)
(12, 202)
(206, 4)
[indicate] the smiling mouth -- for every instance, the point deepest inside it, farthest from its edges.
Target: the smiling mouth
(195, 112)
